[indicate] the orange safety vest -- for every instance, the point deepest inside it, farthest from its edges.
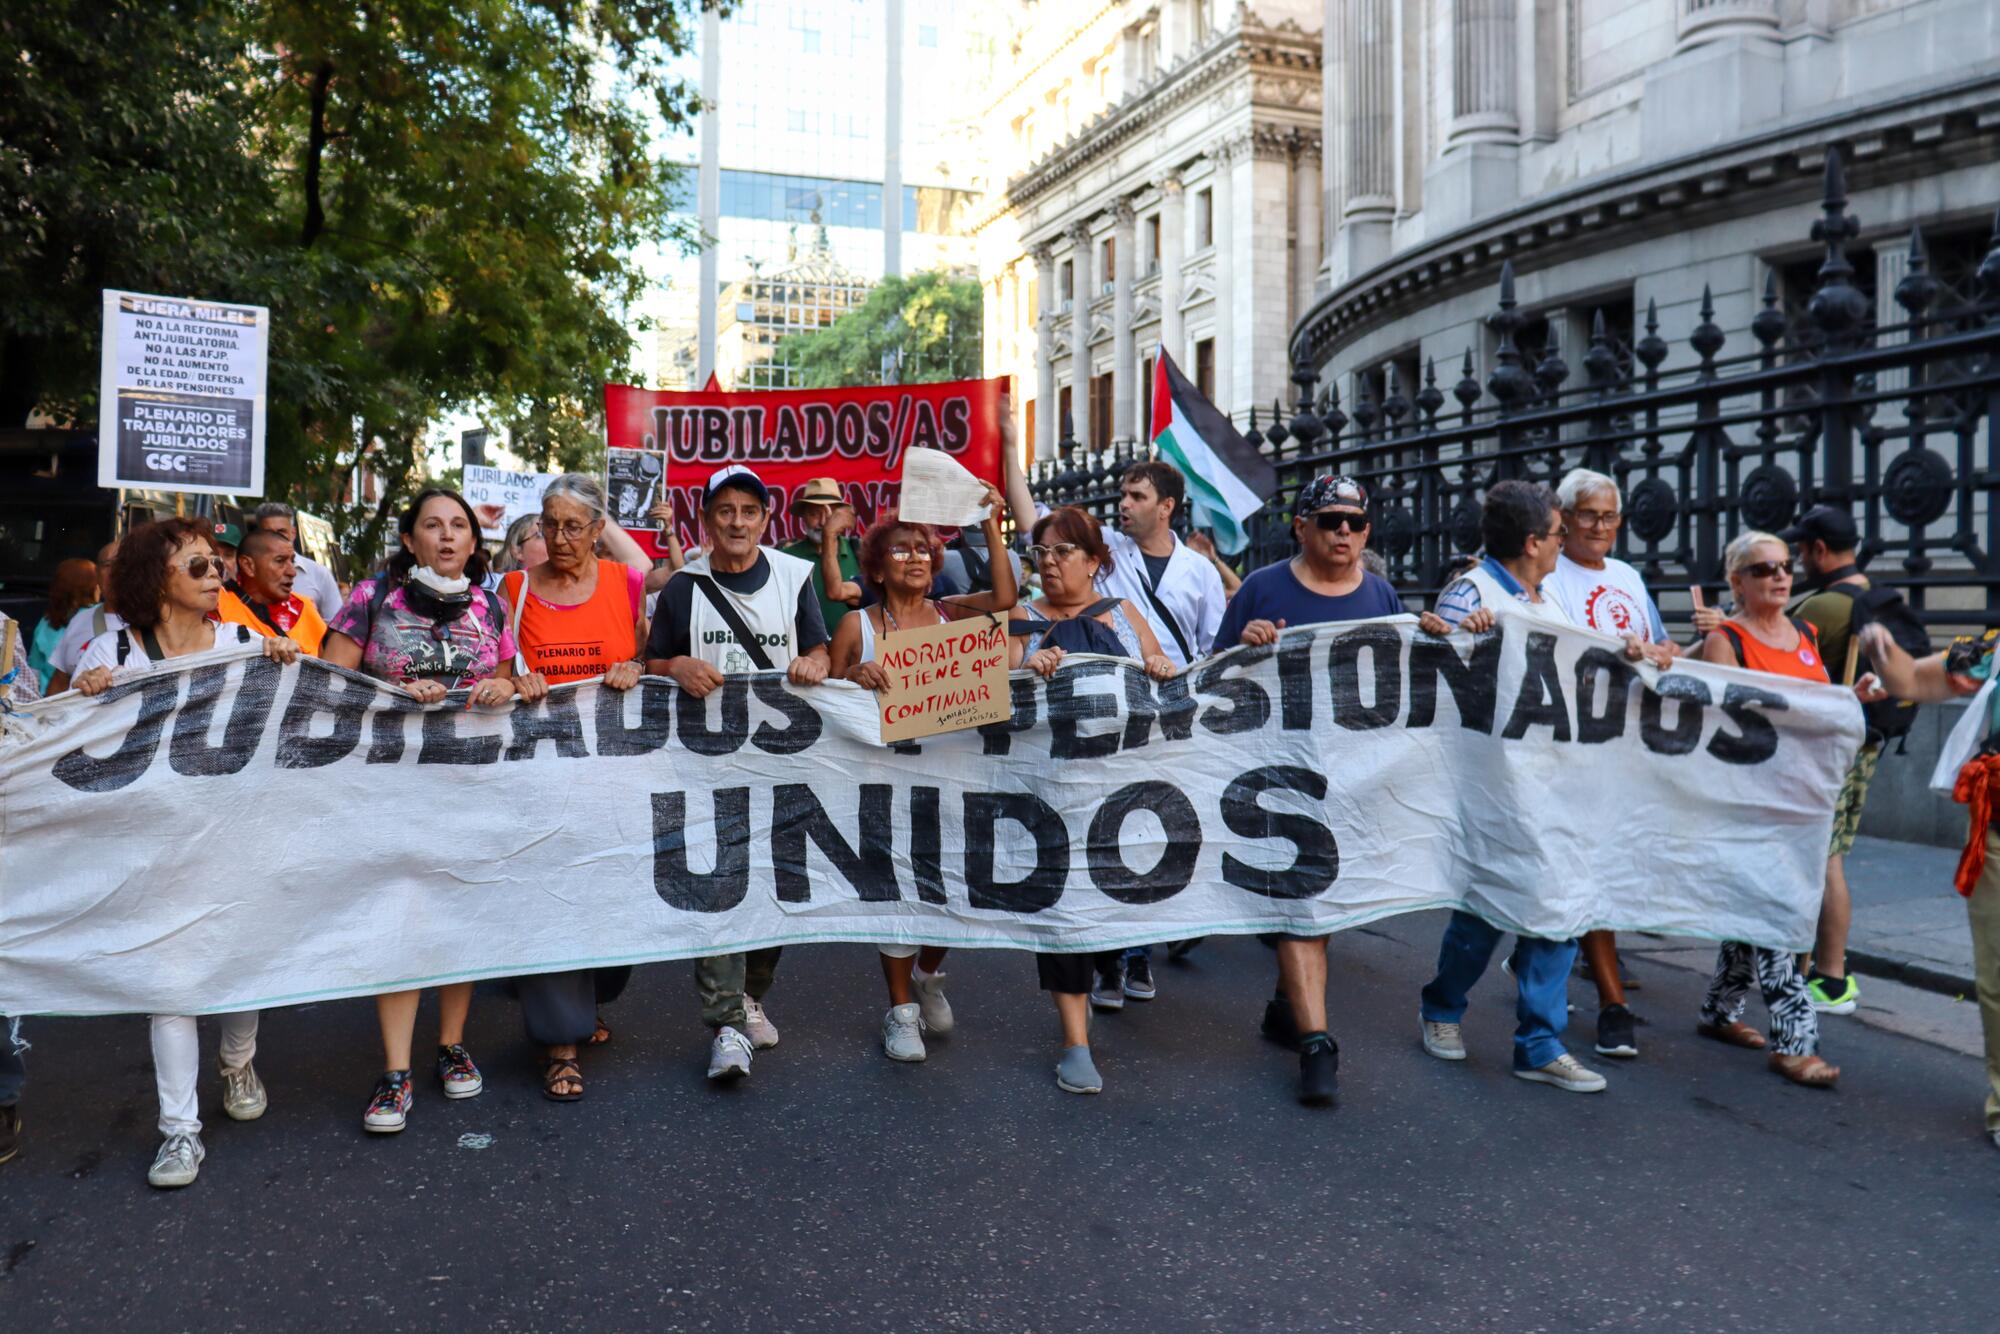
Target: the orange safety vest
(308, 632)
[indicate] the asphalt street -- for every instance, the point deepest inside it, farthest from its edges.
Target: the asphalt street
(835, 1190)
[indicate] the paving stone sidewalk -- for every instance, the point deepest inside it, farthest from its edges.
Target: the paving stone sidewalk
(1909, 923)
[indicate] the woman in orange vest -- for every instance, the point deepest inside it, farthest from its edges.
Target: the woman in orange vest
(575, 618)
(1761, 637)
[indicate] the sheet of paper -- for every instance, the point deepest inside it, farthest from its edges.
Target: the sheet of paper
(938, 490)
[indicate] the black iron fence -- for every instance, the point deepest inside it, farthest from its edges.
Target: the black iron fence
(1894, 421)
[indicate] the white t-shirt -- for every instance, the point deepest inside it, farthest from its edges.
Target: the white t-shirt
(772, 613)
(1612, 600)
(315, 581)
(1189, 586)
(77, 635)
(103, 650)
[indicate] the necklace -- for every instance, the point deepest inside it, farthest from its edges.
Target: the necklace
(889, 618)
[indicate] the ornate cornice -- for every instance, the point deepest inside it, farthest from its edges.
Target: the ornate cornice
(1123, 215)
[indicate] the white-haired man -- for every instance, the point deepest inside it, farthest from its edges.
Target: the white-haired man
(1596, 589)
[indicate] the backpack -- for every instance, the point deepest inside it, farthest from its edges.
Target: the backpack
(1081, 633)
(1891, 719)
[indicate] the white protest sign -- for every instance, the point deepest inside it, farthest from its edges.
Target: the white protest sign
(1529, 775)
(938, 490)
(499, 497)
(181, 395)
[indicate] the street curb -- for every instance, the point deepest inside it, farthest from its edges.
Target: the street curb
(1910, 974)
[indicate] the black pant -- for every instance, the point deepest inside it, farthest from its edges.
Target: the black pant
(561, 1008)
(1071, 974)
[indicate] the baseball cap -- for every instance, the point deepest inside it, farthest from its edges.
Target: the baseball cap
(738, 476)
(1329, 489)
(1823, 523)
(229, 534)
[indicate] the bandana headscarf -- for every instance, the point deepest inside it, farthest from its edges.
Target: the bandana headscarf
(1329, 489)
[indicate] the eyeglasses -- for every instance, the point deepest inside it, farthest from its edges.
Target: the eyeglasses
(1562, 531)
(910, 553)
(568, 532)
(200, 567)
(1061, 551)
(1767, 569)
(1339, 521)
(1598, 518)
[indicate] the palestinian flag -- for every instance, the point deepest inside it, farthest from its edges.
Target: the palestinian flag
(1228, 479)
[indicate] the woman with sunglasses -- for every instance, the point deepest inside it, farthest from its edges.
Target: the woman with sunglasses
(428, 625)
(1070, 616)
(1761, 637)
(575, 617)
(899, 563)
(167, 581)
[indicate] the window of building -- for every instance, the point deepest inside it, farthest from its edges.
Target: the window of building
(795, 120)
(1100, 410)
(1152, 244)
(927, 34)
(1067, 284)
(1034, 299)
(1204, 368)
(809, 40)
(1204, 219)
(1064, 420)
(1107, 262)
(1147, 370)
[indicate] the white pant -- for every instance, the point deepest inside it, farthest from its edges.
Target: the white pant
(177, 1063)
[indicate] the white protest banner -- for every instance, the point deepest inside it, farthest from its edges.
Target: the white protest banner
(181, 385)
(944, 678)
(152, 857)
(938, 490)
(499, 497)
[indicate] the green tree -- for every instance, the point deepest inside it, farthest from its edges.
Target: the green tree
(918, 330)
(437, 199)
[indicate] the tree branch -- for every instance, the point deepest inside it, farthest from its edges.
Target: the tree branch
(316, 139)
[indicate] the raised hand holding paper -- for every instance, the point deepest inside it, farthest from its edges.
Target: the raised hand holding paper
(938, 490)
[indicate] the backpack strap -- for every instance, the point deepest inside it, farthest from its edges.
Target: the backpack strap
(734, 620)
(1735, 639)
(152, 643)
(520, 600)
(124, 646)
(1100, 607)
(1173, 623)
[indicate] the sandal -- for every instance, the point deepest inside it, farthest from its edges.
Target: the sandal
(1736, 1034)
(601, 1035)
(1808, 1071)
(558, 1071)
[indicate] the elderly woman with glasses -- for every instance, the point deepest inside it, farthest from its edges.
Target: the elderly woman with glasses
(898, 564)
(576, 617)
(168, 580)
(1761, 637)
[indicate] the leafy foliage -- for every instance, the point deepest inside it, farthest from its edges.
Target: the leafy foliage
(920, 329)
(436, 198)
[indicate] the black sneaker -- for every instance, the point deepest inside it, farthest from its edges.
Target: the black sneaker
(1279, 1025)
(1614, 1032)
(1139, 979)
(1319, 1070)
(1109, 991)
(10, 1132)
(1180, 949)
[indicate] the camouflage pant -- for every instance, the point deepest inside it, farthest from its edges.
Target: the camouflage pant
(1853, 796)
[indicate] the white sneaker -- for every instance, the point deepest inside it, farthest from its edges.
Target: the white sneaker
(902, 1033)
(178, 1162)
(757, 1026)
(729, 1055)
(1566, 1073)
(1444, 1041)
(930, 999)
(243, 1094)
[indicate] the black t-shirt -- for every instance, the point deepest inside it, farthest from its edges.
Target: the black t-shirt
(669, 637)
(1156, 566)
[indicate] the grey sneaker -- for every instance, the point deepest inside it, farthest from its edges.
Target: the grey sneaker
(1077, 1073)
(1444, 1041)
(243, 1093)
(178, 1162)
(902, 1033)
(728, 1055)
(930, 1000)
(757, 1026)
(1566, 1073)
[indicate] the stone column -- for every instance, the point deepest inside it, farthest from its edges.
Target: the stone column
(1483, 89)
(1044, 256)
(1124, 254)
(1173, 237)
(1366, 40)
(1330, 127)
(1308, 254)
(1225, 157)
(1079, 337)
(1700, 21)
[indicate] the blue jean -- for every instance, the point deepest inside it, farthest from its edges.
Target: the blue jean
(13, 1070)
(1541, 967)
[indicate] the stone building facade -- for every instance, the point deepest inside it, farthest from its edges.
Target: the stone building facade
(1152, 177)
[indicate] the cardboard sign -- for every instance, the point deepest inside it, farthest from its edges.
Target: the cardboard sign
(944, 678)
(182, 395)
(499, 497)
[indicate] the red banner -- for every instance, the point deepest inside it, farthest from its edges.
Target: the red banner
(789, 436)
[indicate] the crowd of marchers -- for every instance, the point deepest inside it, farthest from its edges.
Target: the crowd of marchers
(570, 596)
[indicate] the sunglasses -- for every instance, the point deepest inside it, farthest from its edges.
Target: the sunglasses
(1061, 551)
(200, 567)
(1337, 521)
(1767, 569)
(910, 553)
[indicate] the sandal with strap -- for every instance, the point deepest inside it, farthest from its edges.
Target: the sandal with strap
(1736, 1034)
(601, 1035)
(558, 1071)
(1811, 1072)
